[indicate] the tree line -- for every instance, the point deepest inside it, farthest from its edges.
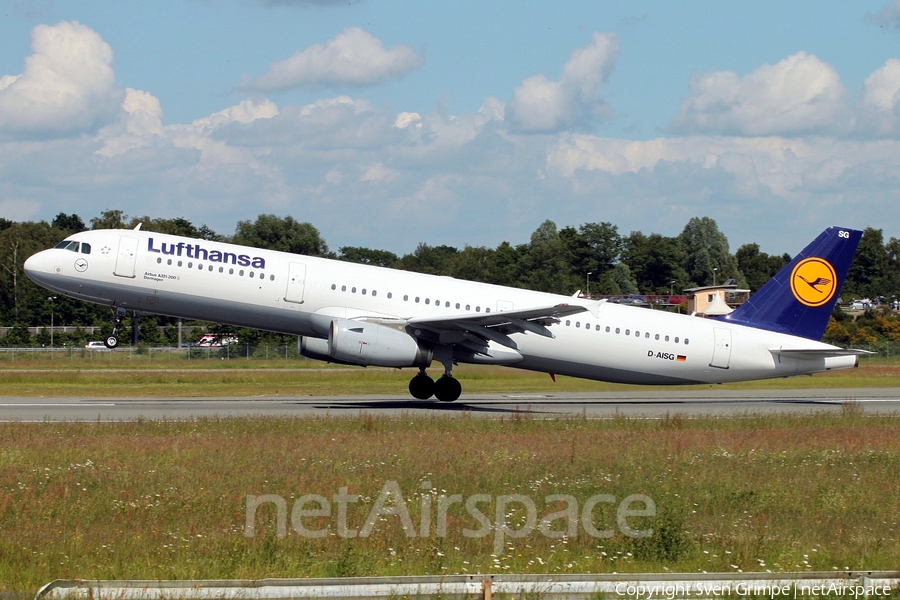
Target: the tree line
(592, 257)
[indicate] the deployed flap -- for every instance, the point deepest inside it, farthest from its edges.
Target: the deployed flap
(497, 326)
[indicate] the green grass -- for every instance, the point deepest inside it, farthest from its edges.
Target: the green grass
(167, 500)
(125, 375)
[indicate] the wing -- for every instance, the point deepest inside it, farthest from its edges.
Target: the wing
(481, 328)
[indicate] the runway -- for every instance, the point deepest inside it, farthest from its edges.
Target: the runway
(654, 404)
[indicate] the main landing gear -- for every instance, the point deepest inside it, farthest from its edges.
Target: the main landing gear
(112, 340)
(445, 389)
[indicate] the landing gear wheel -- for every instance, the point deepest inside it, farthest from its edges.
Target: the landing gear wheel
(111, 342)
(447, 389)
(421, 386)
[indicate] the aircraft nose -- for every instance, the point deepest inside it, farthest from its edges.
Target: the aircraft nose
(37, 265)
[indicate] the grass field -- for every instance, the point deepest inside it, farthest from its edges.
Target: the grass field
(106, 374)
(169, 500)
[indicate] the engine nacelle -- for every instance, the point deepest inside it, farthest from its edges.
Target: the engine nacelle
(317, 348)
(361, 343)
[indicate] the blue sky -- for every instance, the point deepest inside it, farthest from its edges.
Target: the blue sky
(389, 123)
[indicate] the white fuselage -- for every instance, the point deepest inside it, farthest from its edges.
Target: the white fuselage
(292, 294)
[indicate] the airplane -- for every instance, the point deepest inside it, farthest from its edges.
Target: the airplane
(372, 316)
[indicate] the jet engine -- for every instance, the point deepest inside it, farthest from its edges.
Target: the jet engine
(362, 343)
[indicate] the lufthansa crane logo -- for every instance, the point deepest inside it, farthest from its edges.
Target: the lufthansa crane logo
(813, 281)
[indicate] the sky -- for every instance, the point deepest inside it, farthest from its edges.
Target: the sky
(388, 123)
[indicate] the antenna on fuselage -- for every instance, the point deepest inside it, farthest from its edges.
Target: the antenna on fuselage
(137, 227)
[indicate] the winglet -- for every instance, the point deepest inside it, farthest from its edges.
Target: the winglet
(799, 299)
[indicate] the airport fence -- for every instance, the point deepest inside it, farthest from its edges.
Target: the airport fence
(151, 353)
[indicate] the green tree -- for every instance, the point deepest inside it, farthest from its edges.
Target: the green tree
(866, 275)
(655, 262)
(758, 267)
(435, 260)
(284, 234)
(546, 263)
(110, 219)
(593, 248)
(705, 251)
(367, 256)
(68, 223)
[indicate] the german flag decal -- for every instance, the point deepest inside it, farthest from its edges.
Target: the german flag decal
(681, 358)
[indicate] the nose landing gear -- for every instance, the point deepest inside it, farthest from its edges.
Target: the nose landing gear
(112, 340)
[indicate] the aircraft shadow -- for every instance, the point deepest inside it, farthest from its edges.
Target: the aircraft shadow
(427, 405)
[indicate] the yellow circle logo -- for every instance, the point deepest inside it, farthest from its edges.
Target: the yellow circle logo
(813, 281)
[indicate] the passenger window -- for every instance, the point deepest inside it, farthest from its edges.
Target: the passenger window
(656, 337)
(468, 307)
(271, 278)
(618, 330)
(241, 272)
(374, 293)
(607, 328)
(427, 300)
(159, 261)
(568, 323)
(353, 290)
(417, 299)
(333, 286)
(251, 274)
(343, 288)
(477, 309)
(676, 340)
(169, 262)
(667, 338)
(457, 306)
(231, 271)
(627, 332)
(598, 328)
(364, 291)
(390, 295)
(190, 265)
(179, 263)
(686, 342)
(406, 297)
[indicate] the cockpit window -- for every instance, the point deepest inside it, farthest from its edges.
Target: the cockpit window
(85, 248)
(70, 245)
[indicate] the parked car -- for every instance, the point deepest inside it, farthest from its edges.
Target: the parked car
(212, 340)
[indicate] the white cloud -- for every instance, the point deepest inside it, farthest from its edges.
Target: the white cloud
(540, 104)
(67, 83)
(888, 16)
(800, 94)
(354, 57)
(881, 100)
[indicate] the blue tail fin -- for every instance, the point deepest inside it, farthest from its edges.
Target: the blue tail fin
(799, 299)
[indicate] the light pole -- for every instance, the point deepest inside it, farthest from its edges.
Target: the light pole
(50, 299)
(671, 288)
(714, 275)
(587, 286)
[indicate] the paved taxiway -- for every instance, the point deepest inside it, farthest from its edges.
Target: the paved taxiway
(655, 404)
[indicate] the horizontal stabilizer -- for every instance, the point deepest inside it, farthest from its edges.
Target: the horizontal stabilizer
(817, 353)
